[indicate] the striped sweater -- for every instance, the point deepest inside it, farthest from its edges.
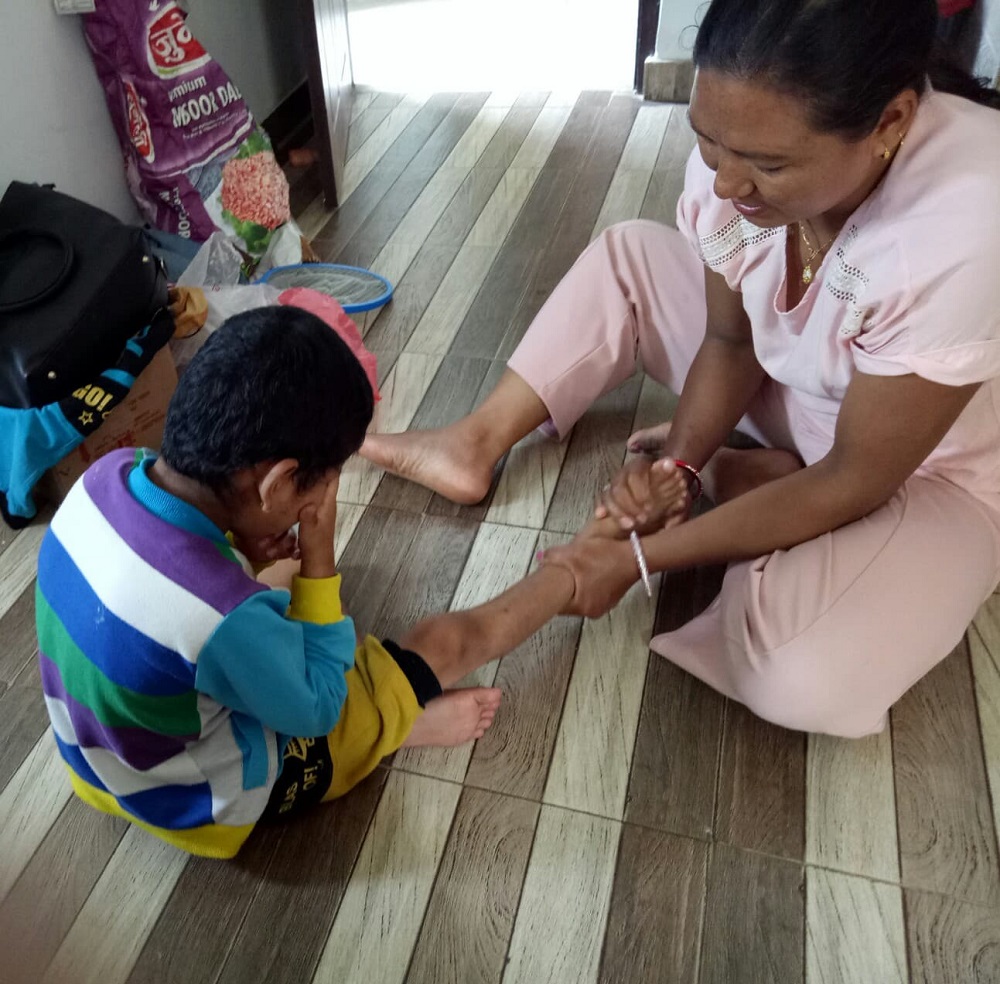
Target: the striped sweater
(173, 679)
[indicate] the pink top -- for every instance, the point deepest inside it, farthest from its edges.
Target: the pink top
(911, 285)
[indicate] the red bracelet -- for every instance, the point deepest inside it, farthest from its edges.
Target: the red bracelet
(697, 488)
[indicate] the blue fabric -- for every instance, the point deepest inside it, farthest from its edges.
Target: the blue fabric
(170, 807)
(288, 675)
(102, 636)
(31, 441)
(249, 736)
(168, 507)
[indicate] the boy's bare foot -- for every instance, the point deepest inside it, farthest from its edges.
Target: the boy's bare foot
(454, 718)
(441, 460)
(730, 472)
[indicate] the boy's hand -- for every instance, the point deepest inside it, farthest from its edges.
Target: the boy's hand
(316, 529)
(266, 550)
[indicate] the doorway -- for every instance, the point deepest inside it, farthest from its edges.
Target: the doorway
(464, 45)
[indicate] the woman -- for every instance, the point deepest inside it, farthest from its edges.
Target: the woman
(833, 291)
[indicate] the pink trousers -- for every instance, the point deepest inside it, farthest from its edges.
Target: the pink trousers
(823, 637)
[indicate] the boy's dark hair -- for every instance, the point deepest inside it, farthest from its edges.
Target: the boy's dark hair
(269, 384)
(845, 58)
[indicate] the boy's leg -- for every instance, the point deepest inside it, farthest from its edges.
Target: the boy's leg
(454, 644)
(387, 689)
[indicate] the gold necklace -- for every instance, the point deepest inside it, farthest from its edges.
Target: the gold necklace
(807, 271)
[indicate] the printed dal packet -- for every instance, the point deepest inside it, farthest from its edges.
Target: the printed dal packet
(195, 160)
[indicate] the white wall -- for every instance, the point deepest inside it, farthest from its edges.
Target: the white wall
(676, 30)
(53, 120)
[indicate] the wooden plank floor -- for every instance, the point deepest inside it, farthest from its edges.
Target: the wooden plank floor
(620, 822)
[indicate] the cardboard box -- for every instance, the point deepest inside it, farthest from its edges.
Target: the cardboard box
(136, 422)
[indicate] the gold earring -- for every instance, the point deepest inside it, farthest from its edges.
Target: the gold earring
(886, 154)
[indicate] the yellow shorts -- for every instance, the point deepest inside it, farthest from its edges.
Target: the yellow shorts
(377, 716)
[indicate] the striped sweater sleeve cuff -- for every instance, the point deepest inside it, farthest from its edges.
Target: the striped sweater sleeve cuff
(316, 599)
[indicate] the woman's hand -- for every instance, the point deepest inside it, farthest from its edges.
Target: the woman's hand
(603, 570)
(316, 528)
(646, 495)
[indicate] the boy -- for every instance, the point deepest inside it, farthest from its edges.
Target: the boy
(192, 699)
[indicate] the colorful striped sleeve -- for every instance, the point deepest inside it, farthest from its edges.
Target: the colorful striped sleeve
(285, 673)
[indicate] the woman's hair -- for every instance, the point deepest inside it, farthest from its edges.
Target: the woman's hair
(845, 58)
(272, 383)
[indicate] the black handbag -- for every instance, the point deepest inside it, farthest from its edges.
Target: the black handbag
(75, 285)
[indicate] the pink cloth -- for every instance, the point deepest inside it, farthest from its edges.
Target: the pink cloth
(828, 635)
(328, 310)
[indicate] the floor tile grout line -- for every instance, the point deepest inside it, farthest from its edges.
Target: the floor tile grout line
(992, 796)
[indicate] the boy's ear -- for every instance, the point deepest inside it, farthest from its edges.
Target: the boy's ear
(274, 483)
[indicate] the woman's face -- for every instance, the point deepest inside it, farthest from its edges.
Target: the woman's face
(769, 161)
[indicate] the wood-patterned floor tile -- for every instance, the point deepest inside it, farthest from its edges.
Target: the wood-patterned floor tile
(947, 837)
(20, 560)
(378, 142)
(512, 277)
(984, 645)
(402, 393)
(370, 114)
(754, 920)
(593, 753)
(7, 536)
(424, 170)
(762, 784)
(29, 804)
(23, 720)
(667, 180)
(951, 942)
(657, 907)
(499, 557)
(331, 230)
(120, 912)
(286, 926)
(374, 933)
(17, 630)
(452, 300)
(528, 481)
(593, 456)
(628, 187)
(381, 538)
(361, 99)
(851, 806)
(427, 574)
(48, 896)
(470, 916)
(588, 182)
(676, 757)
(854, 930)
(514, 756)
(564, 906)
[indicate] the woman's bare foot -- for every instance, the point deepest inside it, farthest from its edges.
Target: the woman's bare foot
(454, 718)
(457, 461)
(442, 460)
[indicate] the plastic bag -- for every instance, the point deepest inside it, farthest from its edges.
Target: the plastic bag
(217, 264)
(195, 160)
